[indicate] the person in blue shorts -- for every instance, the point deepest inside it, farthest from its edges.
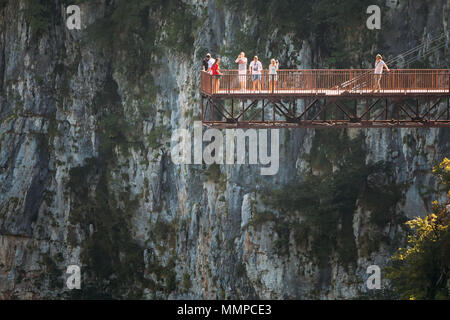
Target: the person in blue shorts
(255, 70)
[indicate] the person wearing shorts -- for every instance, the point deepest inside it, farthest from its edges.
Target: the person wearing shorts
(379, 65)
(215, 70)
(242, 69)
(255, 70)
(273, 77)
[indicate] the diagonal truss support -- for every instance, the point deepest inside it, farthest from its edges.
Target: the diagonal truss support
(319, 112)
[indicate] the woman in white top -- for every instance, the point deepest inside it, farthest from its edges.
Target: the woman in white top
(379, 65)
(242, 69)
(273, 77)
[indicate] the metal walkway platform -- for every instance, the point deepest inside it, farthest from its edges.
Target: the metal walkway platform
(326, 99)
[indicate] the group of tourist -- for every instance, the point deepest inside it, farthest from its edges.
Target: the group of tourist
(212, 66)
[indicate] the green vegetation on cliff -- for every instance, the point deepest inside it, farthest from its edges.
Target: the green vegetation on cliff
(421, 270)
(338, 28)
(318, 209)
(102, 209)
(139, 32)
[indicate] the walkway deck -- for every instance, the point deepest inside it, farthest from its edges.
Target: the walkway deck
(327, 98)
(223, 93)
(301, 83)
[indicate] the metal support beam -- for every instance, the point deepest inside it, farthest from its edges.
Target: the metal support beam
(326, 113)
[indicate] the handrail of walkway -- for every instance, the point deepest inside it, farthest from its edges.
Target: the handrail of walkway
(327, 81)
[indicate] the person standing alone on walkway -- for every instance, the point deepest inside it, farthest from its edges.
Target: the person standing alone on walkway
(379, 65)
(273, 68)
(255, 71)
(242, 69)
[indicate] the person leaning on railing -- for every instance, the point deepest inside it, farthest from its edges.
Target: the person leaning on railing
(273, 77)
(207, 63)
(379, 65)
(215, 71)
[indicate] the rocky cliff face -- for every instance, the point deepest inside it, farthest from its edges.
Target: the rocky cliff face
(86, 176)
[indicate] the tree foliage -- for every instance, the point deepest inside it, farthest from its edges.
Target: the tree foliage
(421, 270)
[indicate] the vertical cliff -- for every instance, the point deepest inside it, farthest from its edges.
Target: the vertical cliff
(86, 176)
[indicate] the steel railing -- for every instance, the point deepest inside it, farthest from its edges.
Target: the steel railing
(326, 81)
